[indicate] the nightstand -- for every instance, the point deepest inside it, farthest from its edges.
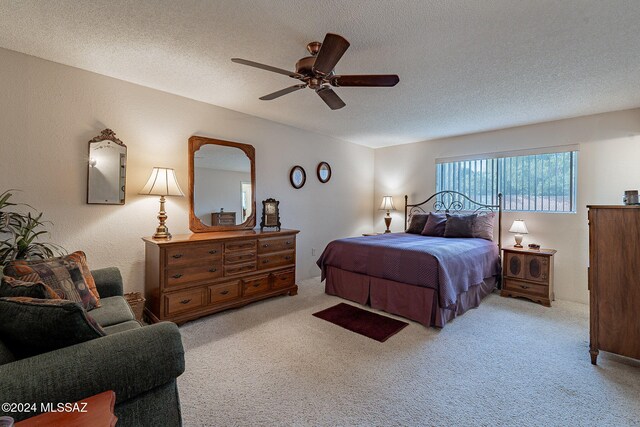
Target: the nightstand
(528, 273)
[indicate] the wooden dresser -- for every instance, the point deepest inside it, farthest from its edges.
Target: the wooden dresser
(528, 273)
(198, 274)
(614, 280)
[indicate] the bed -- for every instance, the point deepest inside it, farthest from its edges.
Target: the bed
(430, 280)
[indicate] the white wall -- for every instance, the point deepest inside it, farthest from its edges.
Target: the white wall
(608, 164)
(49, 112)
(215, 189)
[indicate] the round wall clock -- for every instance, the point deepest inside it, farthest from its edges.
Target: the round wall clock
(297, 177)
(324, 172)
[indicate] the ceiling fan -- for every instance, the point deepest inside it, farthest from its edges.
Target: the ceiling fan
(317, 72)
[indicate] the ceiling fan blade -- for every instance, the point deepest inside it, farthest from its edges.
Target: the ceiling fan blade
(267, 67)
(330, 98)
(333, 47)
(284, 91)
(370, 80)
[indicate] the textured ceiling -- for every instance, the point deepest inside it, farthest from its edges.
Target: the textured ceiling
(464, 66)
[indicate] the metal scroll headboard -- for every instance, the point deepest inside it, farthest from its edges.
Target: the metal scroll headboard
(453, 202)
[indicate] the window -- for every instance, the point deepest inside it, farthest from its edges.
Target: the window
(540, 182)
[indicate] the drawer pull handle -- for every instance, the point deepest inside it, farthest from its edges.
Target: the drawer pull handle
(266, 245)
(524, 287)
(287, 257)
(288, 242)
(176, 256)
(265, 261)
(213, 270)
(185, 301)
(255, 285)
(226, 291)
(213, 251)
(177, 276)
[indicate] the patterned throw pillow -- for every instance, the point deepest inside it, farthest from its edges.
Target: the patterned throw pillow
(11, 287)
(417, 223)
(459, 225)
(64, 275)
(435, 225)
(31, 326)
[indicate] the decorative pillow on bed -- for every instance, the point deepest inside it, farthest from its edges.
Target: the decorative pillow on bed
(435, 225)
(417, 223)
(459, 225)
(31, 326)
(11, 287)
(65, 275)
(483, 226)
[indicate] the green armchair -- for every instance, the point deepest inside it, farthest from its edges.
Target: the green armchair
(139, 363)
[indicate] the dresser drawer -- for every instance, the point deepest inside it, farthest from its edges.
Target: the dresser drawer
(526, 288)
(276, 244)
(183, 274)
(255, 285)
(183, 301)
(239, 257)
(235, 269)
(240, 245)
(195, 253)
(276, 260)
(224, 292)
(284, 279)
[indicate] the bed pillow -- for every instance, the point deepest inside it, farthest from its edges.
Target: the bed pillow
(12, 287)
(459, 225)
(31, 326)
(417, 223)
(435, 225)
(63, 274)
(483, 226)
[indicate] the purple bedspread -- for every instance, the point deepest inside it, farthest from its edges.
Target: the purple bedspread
(449, 265)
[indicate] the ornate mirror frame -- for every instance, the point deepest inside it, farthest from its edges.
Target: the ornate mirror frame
(195, 225)
(109, 136)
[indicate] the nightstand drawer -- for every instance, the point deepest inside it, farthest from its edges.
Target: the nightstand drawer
(526, 288)
(514, 265)
(536, 268)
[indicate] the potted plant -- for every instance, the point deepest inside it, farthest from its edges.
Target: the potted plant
(21, 228)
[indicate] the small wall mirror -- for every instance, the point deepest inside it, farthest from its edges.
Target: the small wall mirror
(323, 172)
(107, 170)
(221, 185)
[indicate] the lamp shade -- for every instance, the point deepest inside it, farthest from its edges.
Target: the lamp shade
(162, 182)
(519, 227)
(387, 204)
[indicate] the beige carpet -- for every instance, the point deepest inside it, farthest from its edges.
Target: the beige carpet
(507, 363)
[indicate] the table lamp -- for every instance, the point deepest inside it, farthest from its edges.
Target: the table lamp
(520, 228)
(387, 205)
(162, 182)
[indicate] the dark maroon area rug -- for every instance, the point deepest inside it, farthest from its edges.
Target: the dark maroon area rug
(362, 322)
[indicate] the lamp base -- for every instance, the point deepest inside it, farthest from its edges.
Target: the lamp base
(387, 221)
(162, 231)
(518, 238)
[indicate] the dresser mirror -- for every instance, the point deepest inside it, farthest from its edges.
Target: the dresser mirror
(221, 185)
(107, 170)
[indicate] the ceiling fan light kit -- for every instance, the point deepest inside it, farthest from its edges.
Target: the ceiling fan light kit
(317, 72)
